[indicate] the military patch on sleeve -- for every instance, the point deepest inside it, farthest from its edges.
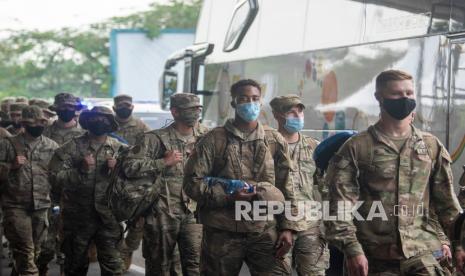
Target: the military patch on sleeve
(420, 148)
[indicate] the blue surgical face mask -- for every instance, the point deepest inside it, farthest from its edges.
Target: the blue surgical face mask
(248, 111)
(294, 124)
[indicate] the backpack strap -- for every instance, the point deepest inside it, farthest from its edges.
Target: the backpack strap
(17, 145)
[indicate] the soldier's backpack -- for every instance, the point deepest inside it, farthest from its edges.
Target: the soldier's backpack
(130, 198)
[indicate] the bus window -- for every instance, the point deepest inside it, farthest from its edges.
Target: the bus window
(242, 18)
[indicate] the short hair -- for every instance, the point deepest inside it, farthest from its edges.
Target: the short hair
(391, 75)
(239, 85)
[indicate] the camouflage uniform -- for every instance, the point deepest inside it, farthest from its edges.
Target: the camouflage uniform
(130, 130)
(15, 108)
(60, 135)
(370, 168)
(26, 194)
(260, 158)
(172, 223)
(84, 201)
(310, 254)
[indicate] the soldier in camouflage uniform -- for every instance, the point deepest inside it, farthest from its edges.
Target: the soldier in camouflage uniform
(129, 128)
(26, 189)
(242, 149)
(81, 167)
(310, 254)
(62, 130)
(163, 153)
(65, 127)
(15, 115)
(408, 172)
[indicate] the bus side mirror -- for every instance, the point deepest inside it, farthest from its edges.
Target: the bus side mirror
(169, 87)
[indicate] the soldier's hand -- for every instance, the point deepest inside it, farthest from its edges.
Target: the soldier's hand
(111, 163)
(357, 266)
(284, 243)
(18, 162)
(244, 194)
(88, 163)
(446, 251)
(459, 261)
(172, 157)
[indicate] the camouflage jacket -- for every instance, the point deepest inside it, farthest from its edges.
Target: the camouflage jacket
(83, 192)
(408, 184)
(131, 129)
(260, 158)
(148, 158)
(62, 135)
(27, 187)
(304, 178)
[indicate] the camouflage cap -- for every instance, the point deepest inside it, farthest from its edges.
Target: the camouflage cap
(42, 104)
(98, 111)
(63, 99)
(122, 99)
(184, 100)
(268, 192)
(32, 114)
(283, 104)
(8, 100)
(17, 107)
(22, 99)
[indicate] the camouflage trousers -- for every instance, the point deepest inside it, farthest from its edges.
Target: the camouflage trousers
(162, 233)
(51, 246)
(310, 254)
(423, 265)
(25, 231)
(78, 238)
(223, 253)
(134, 236)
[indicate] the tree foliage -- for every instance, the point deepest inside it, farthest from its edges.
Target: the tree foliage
(43, 63)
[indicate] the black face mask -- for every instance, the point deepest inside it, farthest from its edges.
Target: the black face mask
(35, 131)
(66, 115)
(98, 128)
(399, 109)
(189, 117)
(124, 112)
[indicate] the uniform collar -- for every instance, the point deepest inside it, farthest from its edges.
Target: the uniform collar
(132, 122)
(256, 134)
(416, 136)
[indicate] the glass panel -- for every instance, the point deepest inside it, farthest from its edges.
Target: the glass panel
(457, 108)
(457, 15)
(170, 84)
(390, 19)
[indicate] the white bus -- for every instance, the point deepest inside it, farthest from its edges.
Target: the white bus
(329, 52)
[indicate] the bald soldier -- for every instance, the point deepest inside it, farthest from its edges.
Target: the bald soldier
(129, 129)
(309, 254)
(399, 173)
(26, 189)
(163, 153)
